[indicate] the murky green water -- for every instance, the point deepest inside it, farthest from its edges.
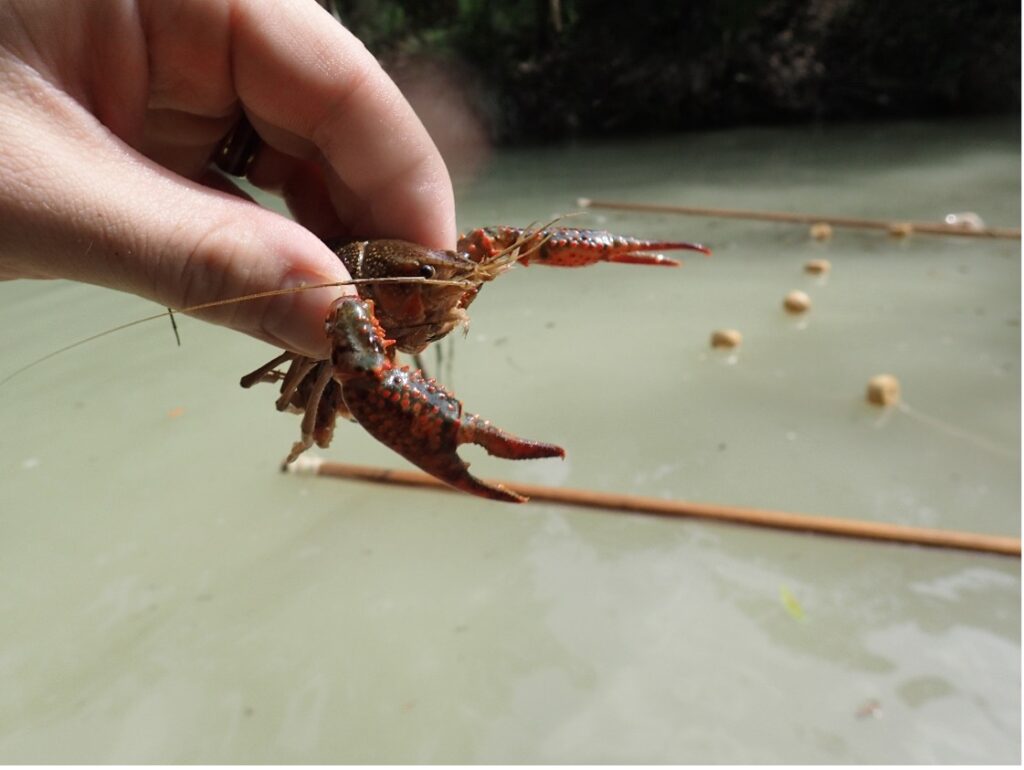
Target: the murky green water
(167, 596)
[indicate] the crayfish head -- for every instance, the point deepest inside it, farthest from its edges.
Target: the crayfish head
(423, 292)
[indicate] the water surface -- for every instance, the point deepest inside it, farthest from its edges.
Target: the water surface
(169, 597)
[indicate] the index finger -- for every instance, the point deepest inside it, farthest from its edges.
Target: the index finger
(297, 69)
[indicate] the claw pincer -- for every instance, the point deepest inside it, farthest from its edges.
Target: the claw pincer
(413, 415)
(569, 247)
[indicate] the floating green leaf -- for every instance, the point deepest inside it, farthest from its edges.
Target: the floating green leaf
(790, 602)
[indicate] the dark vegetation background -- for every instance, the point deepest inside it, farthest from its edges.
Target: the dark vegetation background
(541, 70)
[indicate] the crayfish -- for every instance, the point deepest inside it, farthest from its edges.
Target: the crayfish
(410, 296)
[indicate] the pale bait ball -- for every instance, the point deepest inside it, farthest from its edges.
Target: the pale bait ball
(726, 338)
(796, 302)
(817, 266)
(821, 231)
(883, 390)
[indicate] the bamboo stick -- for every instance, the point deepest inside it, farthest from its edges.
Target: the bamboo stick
(899, 227)
(796, 522)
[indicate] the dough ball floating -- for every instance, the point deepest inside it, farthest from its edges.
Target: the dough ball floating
(817, 266)
(726, 338)
(883, 390)
(796, 302)
(821, 231)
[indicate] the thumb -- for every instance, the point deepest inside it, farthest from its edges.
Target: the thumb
(86, 207)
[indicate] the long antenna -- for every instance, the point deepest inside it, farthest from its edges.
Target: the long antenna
(218, 303)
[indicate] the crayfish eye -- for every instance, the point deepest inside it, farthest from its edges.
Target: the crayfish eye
(427, 271)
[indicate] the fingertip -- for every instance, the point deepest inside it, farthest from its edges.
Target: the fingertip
(422, 211)
(255, 271)
(310, 82)
(317, 277)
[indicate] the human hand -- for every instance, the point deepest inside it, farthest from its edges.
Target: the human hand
(110, 112)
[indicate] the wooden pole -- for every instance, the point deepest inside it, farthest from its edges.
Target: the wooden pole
(896, 227)
(795, 522)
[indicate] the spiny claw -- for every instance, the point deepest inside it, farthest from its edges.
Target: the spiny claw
(569, 247)
(499, 443)
(412, 415)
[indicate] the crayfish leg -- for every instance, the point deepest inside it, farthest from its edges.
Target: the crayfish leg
(266, 372)
(309, 418)
(292, 381)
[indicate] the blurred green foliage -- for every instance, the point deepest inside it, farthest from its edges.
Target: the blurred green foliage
(545, 69)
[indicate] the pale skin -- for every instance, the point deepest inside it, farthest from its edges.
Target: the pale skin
(110, 111)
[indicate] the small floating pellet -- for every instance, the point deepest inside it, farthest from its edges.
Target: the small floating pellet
(821, 231)
(726, 338)
(883, 390)
(817, 266)
(797, 302)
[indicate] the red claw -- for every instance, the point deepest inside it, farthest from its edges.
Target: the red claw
(413, 415)
(569, 247)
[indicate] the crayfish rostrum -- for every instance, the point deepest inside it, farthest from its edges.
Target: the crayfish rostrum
(410, 296)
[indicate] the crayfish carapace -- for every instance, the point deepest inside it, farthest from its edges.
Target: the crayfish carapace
(410, 296)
